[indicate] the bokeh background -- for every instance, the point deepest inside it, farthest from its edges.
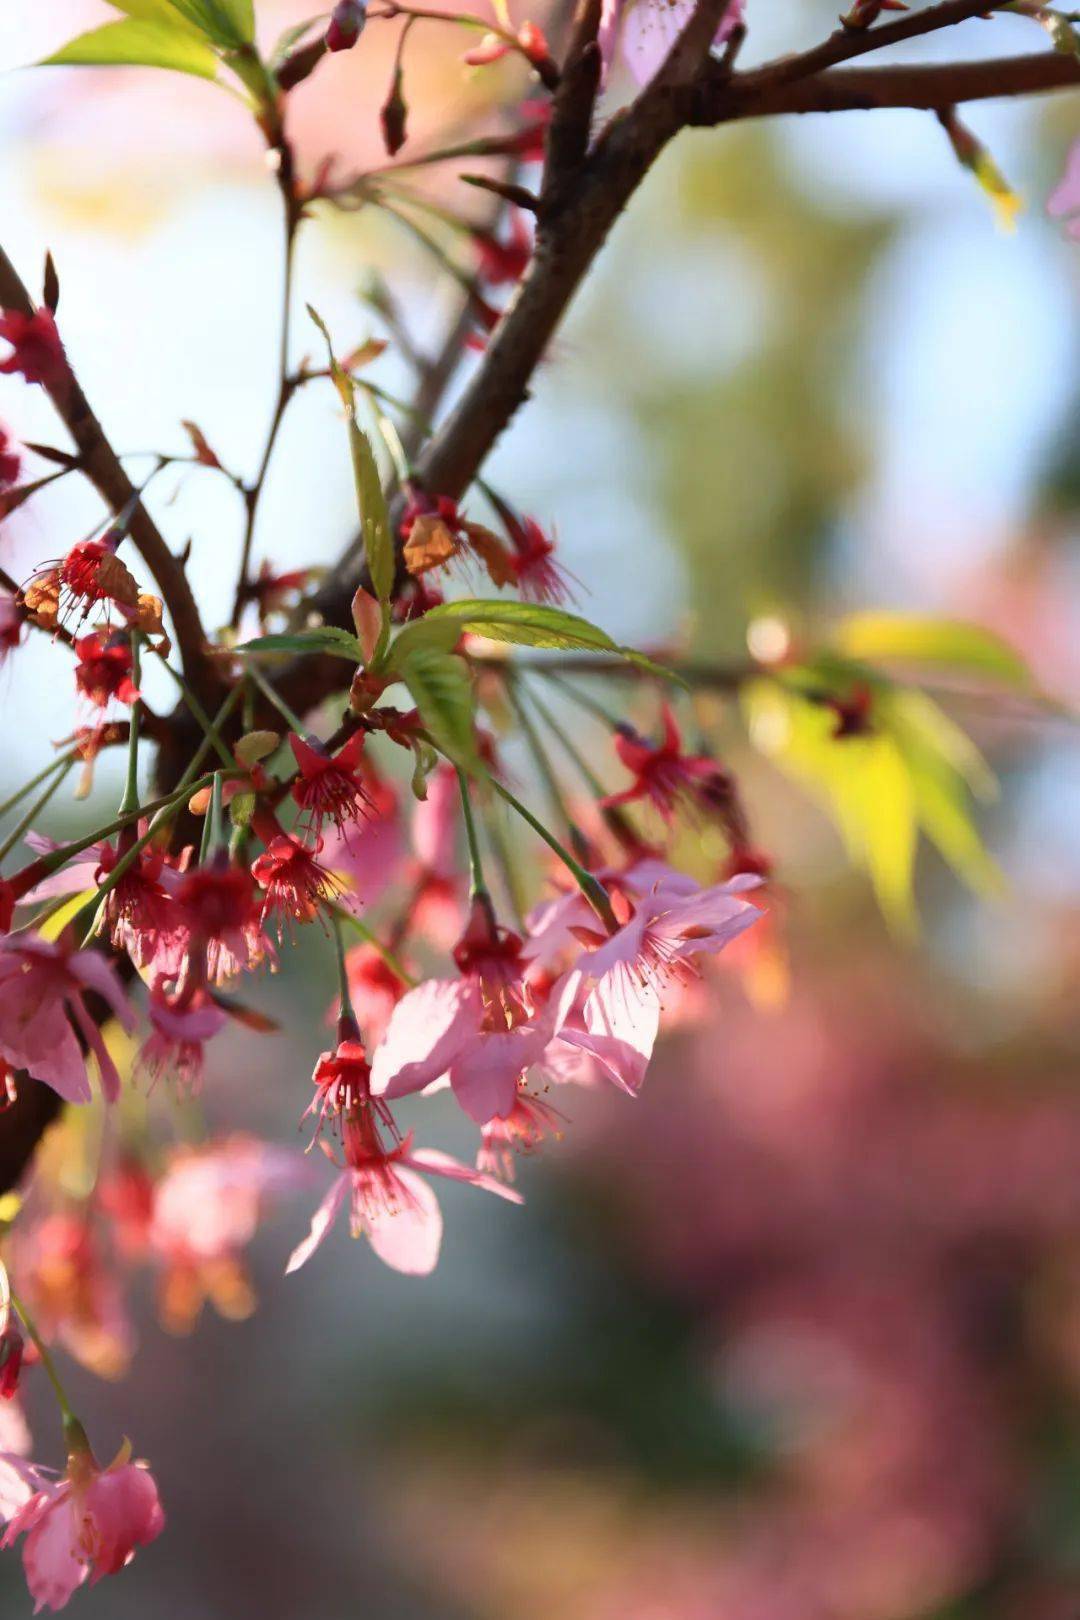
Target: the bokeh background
(796, 1335)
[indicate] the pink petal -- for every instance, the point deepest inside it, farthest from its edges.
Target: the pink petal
(321, 1222)
(409, 1236)
(1065, 197)
(486, 1070)
(437, 1163)
(622, 1021)
(52, 1566)
(91, 969)
(426, 1030)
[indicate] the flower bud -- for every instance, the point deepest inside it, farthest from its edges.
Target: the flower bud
(12, 1345)
(392, 117)
(346, 25)
(367, 617)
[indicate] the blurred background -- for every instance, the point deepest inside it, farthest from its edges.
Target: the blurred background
(795, 1335)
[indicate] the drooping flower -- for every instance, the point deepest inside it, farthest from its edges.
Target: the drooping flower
(85, 1525)
(610, 1003)
(538, 575)
(662, 772)
(526, 1125)
(90, 573)
(477, 1031)
(42, 986)
(206, 1210)
(36, 351)
(296, 888)
(329, 786)
(389, 1202)
(177, 1044)
(104, 668)
(219, 933)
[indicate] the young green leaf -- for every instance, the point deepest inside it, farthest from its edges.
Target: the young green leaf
(229, 23)
(370, 500)
(442, 691)
(374, 516)
(135, 43)
(326, 639)
(524, 624)
(948, 644)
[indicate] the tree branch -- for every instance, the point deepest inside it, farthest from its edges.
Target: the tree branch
(99, 462)
(923, 86)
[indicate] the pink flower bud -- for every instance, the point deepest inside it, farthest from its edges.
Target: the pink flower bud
(346, 25)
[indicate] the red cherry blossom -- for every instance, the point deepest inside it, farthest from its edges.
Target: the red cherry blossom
(36, 351)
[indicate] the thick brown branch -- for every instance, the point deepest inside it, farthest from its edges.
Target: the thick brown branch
(99, 462)
(927, 87)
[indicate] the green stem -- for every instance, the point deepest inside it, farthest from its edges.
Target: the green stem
(130, 800)
(585, 770)
(366, 934)
(478, 889)
(35, 781)
(582, 699)
(60, 768)
(504, 858)
(74, 1433)
(591, 887)
(347, 1010)
(268, 692)
(543, 763)
(204, 720)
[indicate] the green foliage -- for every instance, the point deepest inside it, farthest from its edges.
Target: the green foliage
(442, 691)
(911, 771)
(904, 638)
(524, 624)
(134, 42)
(370, 500)
(325, 639)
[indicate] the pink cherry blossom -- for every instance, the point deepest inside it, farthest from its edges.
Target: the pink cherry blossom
(611, 1002)
(41, 994)
(1064, 201)
(84, 1526)
(389, 1202)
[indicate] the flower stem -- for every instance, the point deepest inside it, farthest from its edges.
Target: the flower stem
(60, 769)
(388, 956)
(209, 726)
(346, 1010)
(74, 1433)
(268, 692)
(591, 887)
(478, 889)
(35, 781)
(544, 766)
(130, 800)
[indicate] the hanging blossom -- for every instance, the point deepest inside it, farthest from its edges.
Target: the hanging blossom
(478, 1032)
(42, 990)
(389, 1201)
(84, 1525)
(662, 773)
(36, 350)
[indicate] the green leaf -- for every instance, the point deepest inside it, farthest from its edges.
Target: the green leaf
(374, 517)
(229, 23)
(162, 11)
(370, 500)
(135, 43)
(524, 624)
(326, 639)
(442, 691)
(910, 639)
